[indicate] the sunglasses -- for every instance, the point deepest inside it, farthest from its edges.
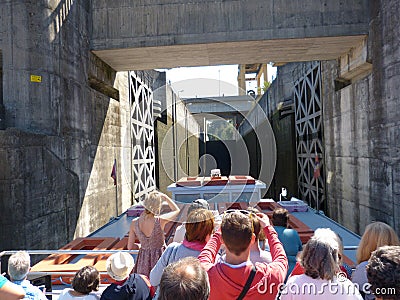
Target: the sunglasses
(243, 211)
(250, 214)
(201, 203)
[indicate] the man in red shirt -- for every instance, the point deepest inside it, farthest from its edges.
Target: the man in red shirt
(228, 277)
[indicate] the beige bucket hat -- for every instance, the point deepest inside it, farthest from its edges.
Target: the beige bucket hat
(120, 265)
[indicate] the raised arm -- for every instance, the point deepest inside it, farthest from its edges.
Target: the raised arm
(169, 216)
(209, 253)
(132, 236)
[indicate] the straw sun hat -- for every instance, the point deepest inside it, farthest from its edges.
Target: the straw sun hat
(120, 265)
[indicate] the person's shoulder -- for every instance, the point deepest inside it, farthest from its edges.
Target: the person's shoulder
(363, 264)
(64, 292)
(171, 248)
(361, 268)
(107, 291)
(35, 292)
(3, 281)
(345, 281)
(290, 231)
(298, 279)
(30, 287)
(140, 281)
(173, 245)
(92, 296)
(349, 287)
(214, 270)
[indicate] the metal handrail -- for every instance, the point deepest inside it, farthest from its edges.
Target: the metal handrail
(74, 252)
(34, 273)
(77, 252)
(37, 252)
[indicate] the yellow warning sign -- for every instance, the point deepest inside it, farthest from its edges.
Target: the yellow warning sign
(36, 78)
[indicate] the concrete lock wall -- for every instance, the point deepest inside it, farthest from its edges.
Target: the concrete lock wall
(362, 130)
(177, 140)
(281, 90)
(65, 127)
(63, 132)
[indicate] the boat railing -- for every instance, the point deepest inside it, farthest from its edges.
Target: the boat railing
(73, 252)
(61, 273)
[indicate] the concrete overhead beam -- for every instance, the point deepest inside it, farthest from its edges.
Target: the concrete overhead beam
(246, 52)
(163, 34)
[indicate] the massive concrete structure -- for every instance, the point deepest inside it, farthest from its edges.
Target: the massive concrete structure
(163, 34)
(360, 126)
(65, 116)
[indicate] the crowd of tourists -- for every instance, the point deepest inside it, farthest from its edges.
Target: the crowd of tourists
(245, 255)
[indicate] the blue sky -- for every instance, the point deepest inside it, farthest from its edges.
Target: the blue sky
(208, 81)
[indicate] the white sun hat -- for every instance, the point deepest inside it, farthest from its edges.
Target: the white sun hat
(120, 265)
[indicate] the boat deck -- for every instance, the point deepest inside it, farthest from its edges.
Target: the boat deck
(119, 227)
(314, 221)
(114, 236)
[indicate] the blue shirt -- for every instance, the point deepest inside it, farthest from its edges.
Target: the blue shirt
(3, 281)
(291, 243)
(31, 292)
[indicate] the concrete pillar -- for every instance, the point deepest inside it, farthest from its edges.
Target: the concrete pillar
(242, 80)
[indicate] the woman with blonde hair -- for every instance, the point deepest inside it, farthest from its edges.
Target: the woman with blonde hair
(199, 228)
(376, 234)
(148, 228)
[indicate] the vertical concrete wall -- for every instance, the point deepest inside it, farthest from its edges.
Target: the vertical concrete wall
(177, 140)
(63, 133)
(362, 130)
(38, 196)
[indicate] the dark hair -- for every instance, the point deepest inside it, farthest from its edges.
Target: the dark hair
(237, 230)
(184, 279)
(200, 223)
(280, 217)
(86, 280)
(383, 272)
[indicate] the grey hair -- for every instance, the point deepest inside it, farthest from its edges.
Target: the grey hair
(320, 257)
(329, 233)
(18, 265)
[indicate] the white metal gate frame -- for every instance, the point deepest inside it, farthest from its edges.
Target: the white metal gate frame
(142, 135)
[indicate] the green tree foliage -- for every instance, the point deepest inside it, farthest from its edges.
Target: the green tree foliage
(220, 130)
(264, 88)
